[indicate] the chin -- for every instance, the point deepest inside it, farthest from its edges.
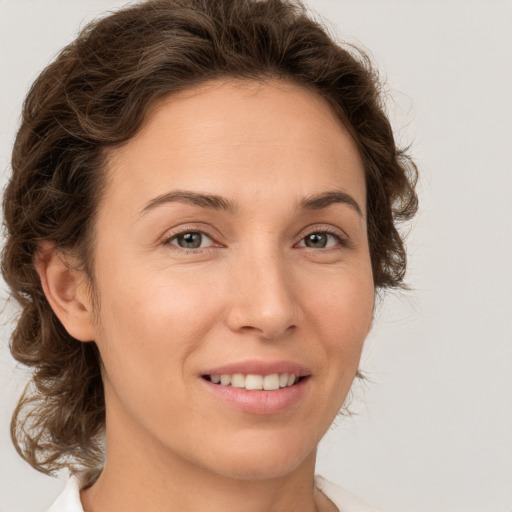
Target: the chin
(260, 461)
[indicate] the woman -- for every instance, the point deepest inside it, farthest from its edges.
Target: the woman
(202, 208)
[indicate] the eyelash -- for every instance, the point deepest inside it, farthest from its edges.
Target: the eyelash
(168, 240)
(342, 242)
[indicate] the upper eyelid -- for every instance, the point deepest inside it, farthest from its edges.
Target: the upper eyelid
(322, 228)
(342, 240)
(174, 232)
(167, 239)
(183, 231)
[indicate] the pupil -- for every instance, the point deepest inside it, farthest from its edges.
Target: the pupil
(190, 240)
(316, 240)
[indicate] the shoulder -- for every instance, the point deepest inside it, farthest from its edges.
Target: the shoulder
(344, 500)
(69, 499)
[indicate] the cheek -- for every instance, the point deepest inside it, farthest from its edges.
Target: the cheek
(342, 313)
(151, 324)
(149, 329)
(343, 297)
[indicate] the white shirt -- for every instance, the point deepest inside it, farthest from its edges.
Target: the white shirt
(69, 499)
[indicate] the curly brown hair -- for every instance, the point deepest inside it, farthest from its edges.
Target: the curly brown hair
(94, 96)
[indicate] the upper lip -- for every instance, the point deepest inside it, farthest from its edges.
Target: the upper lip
(259, 367)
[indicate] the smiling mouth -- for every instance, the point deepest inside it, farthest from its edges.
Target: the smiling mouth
(254, 382)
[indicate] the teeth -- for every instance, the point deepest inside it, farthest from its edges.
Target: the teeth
(255, 382)
(238, 380)
(225, 380)
(271, 382)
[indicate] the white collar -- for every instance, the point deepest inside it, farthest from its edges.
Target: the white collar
(69, 499)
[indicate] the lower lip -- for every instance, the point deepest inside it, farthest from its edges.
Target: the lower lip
(259, 402)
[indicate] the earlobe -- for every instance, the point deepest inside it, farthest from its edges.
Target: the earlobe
(65, 290)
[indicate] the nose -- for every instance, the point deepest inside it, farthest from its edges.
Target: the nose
(263, 301)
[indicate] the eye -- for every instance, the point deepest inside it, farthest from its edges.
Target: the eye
(191, 240)
(321, 240)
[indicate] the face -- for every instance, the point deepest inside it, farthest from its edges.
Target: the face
(231, 241)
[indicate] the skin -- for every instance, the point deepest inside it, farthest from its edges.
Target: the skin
(253, 290)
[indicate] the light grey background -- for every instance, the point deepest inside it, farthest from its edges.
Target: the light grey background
(434, 429)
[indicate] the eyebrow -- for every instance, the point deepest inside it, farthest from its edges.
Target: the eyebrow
(325, 199)
(209, 201)
(215, 202)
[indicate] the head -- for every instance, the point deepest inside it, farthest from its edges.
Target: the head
(125, 118)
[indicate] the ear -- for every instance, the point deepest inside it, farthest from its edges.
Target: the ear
(66, 291)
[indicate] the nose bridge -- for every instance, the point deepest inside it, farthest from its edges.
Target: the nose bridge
(263, 300)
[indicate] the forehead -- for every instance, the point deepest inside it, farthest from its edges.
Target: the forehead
(224, 136)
